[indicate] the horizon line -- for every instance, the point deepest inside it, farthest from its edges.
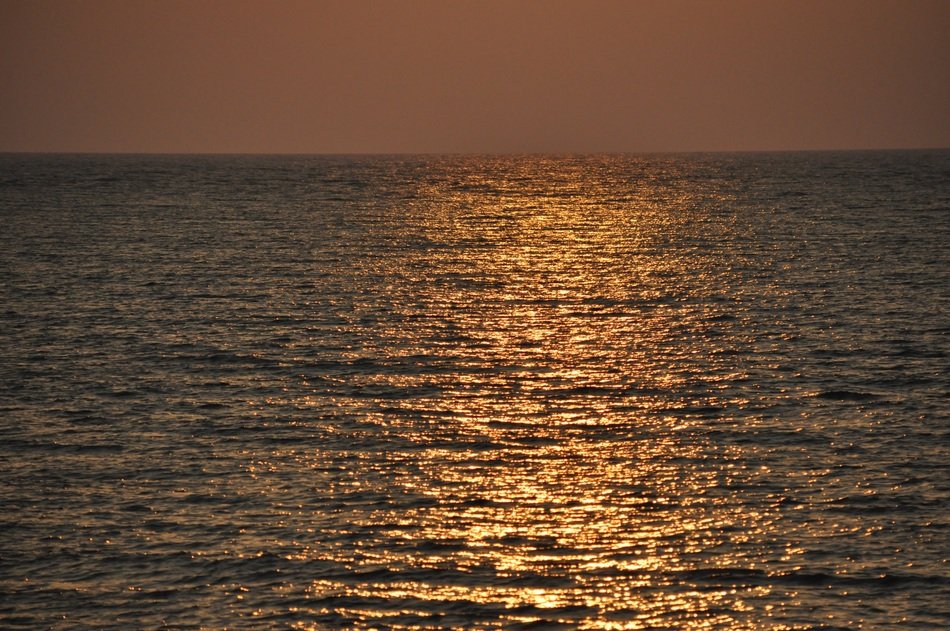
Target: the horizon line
(469, 153)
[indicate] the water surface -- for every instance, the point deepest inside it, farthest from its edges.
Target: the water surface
(639, 392)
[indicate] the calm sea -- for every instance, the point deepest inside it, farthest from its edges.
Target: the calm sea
(638, 392)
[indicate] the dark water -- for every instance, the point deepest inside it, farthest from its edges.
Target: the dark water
(437, 392)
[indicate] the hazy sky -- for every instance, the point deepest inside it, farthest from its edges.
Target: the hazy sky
(484, 76)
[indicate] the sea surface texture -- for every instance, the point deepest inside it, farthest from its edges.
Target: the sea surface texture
(434, 392)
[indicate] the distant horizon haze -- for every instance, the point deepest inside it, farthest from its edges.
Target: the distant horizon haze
(426, 77)
(409, 154)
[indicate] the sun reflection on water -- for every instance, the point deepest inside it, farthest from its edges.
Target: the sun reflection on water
(549, 468)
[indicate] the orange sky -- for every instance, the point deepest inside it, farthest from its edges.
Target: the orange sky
(473, 76)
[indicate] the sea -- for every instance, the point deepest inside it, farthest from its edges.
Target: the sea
(671, 391)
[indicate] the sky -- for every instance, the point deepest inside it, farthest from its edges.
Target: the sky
(487, 76)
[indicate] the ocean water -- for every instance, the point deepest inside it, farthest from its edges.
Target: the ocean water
(426, 392)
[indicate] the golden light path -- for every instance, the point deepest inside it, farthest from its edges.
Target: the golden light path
(558, 466)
